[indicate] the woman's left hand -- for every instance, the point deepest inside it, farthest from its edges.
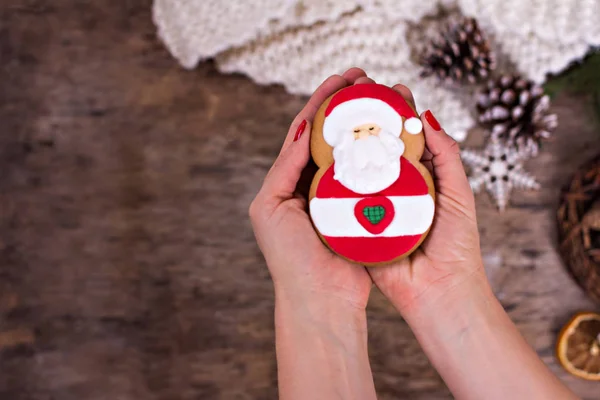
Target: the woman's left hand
(302, 267)
(320, 298)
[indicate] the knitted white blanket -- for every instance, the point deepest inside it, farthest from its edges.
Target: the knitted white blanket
(298, 43)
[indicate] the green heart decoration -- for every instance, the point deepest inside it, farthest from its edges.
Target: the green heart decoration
(374, 214)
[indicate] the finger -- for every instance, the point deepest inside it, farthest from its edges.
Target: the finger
(363, 80)
(306, 178)
(447, 166)
(426, 161)
(390, 279)
(326, 89)
(406, 93)
(353, 74)
(280, 183)
(429, 166)
(427, 156)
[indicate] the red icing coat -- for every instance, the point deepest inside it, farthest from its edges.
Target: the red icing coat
(374, 249)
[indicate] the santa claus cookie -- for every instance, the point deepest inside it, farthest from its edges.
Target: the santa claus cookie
(372, 201)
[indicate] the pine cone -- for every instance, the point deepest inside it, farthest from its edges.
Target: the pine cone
(516, 110)
(461, 52)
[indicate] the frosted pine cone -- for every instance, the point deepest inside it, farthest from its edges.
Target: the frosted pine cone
(516, 111)
(461, 52)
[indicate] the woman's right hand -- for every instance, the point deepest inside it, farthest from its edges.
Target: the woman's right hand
(449, 262)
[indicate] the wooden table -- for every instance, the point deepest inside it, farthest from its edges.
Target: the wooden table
(128, 269)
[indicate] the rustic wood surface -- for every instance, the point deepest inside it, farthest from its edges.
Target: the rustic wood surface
(128, 269)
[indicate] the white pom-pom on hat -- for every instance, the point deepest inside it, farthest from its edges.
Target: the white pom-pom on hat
(413, 125)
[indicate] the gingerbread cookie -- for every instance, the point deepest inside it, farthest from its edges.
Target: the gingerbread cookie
(372, 201)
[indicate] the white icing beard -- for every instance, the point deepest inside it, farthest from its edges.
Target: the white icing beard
(368, 165)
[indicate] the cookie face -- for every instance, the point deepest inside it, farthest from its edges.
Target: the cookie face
(372, 201)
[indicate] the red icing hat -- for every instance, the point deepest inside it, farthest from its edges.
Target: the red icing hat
(368, 103)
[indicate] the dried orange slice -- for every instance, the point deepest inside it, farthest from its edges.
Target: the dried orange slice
(578, 347)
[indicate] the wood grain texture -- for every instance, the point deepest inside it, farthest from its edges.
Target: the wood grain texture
(128, 268)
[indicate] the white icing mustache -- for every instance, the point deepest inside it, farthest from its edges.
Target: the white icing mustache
(369, 151)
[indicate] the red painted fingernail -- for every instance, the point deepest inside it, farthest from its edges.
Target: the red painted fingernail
(300, 130)
(432, 121)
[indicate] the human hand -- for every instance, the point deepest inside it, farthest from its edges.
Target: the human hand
(303, 269)
(442, 291)
(449, 262)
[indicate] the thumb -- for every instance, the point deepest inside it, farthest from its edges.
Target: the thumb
(449, 173)
(283, 177)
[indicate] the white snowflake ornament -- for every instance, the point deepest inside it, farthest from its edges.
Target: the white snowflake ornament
(499, 168)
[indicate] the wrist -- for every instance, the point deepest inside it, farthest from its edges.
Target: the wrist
(454, 306)
(320, 309)
(317, 296)
(321, 349)
(477, 349)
